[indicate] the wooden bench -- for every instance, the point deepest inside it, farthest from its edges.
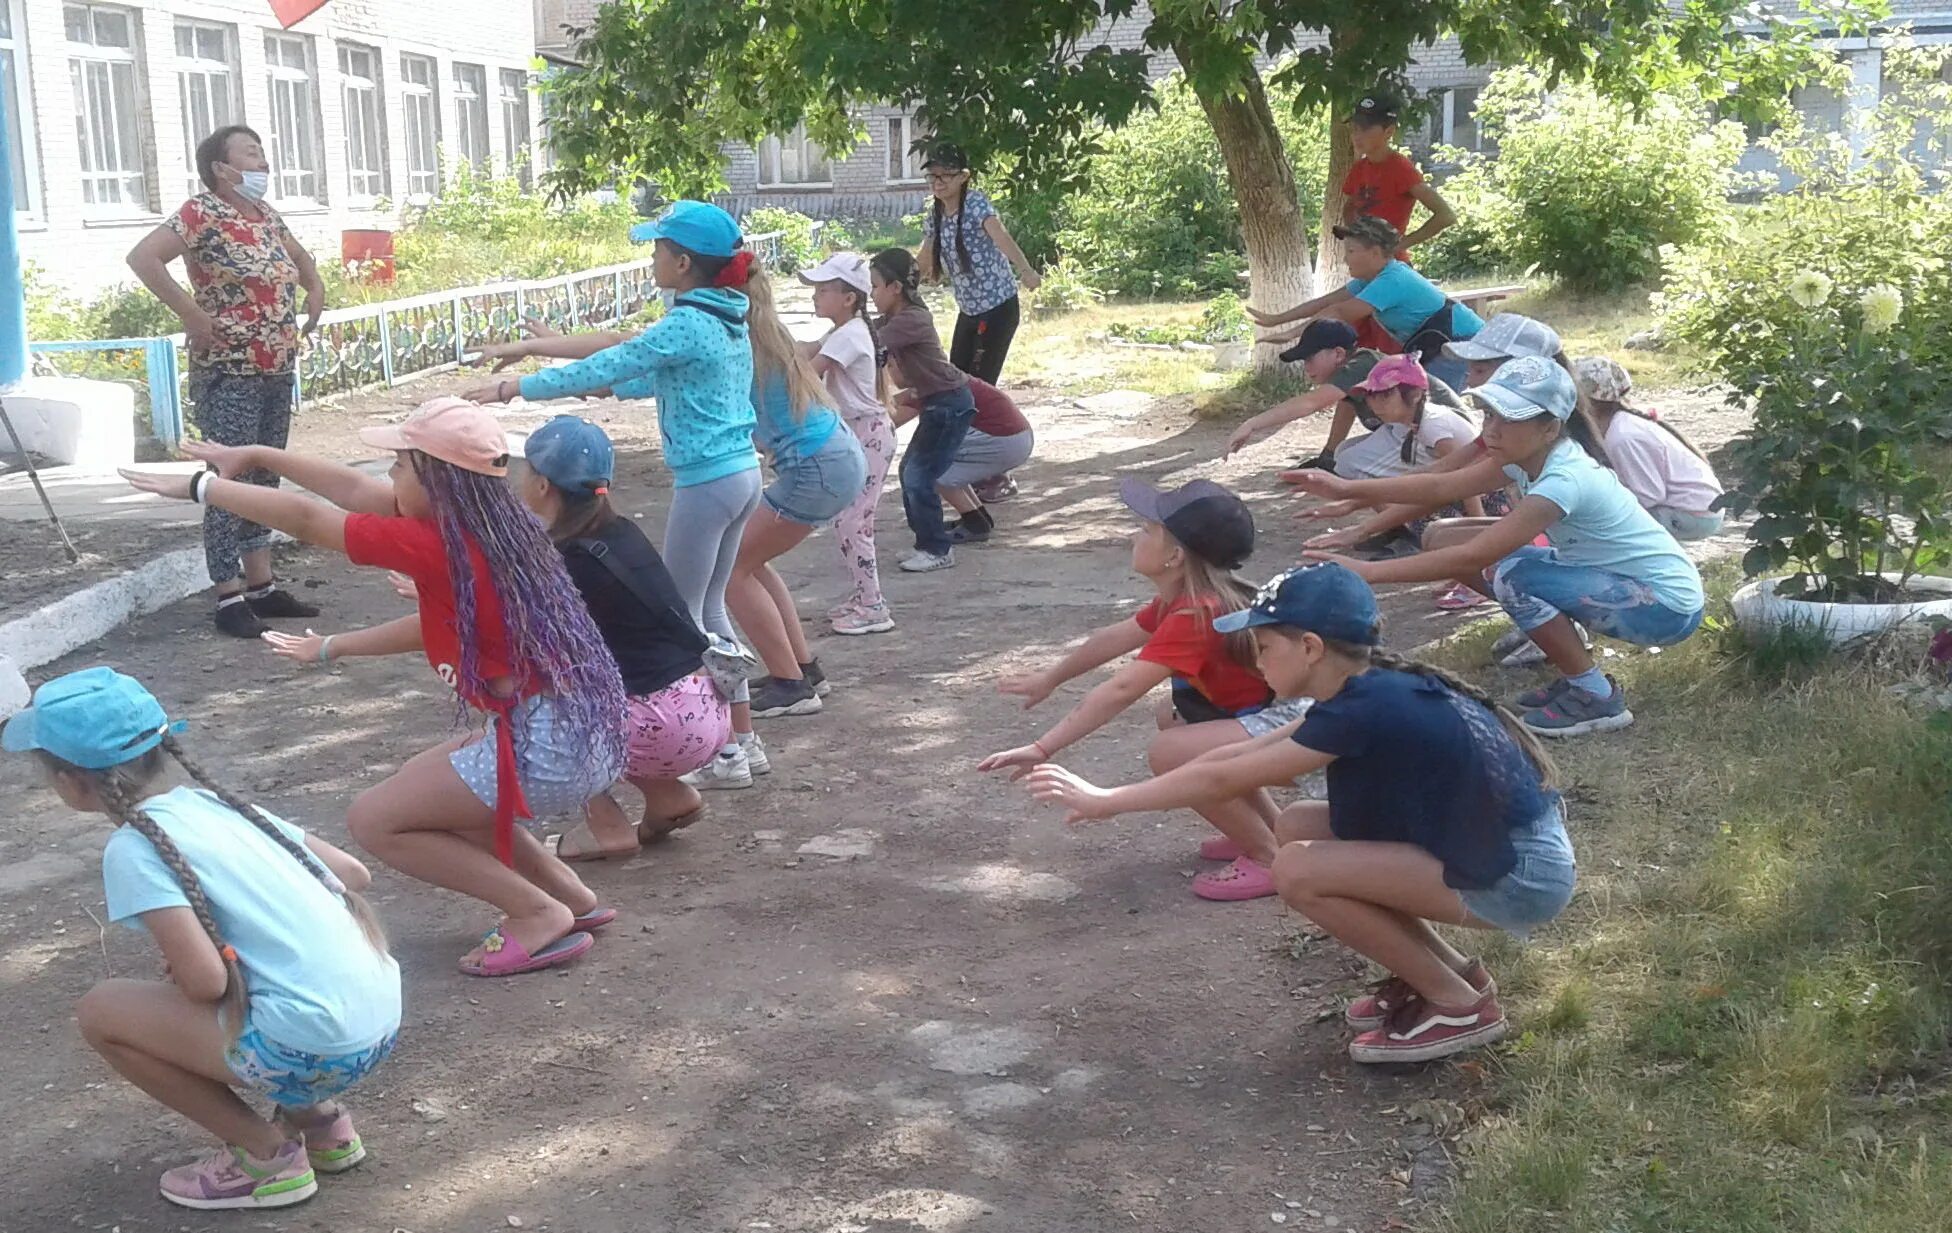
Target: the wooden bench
(1477, 299)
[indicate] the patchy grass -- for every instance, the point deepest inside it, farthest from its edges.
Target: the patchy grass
(1592, 324)
(1742, 1023)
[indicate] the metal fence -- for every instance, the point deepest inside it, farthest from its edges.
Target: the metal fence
(383, 344)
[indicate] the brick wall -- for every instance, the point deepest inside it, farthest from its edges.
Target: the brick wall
(84, 252)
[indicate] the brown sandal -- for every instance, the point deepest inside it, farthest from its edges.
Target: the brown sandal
(586, 847)
(655, 830)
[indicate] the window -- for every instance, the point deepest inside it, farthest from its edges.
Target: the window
(1464, 118)
(359, 78)
(418, 93)
(13, 62)
(793, 160)
(108, 108)
(293, 146)
(471, 115)
(515, 122)
(904, 160)
(206, 81)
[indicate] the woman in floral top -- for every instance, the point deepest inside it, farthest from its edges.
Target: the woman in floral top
(241, 320)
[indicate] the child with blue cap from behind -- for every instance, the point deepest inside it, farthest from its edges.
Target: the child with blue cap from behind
(1441, 809)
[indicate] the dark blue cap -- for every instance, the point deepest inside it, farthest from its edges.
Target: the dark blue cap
(1207, 520)
(572, 453)
(94, 719)
(1319, 335)
(1325, 598)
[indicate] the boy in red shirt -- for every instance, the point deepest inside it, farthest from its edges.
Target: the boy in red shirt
(1384, 183)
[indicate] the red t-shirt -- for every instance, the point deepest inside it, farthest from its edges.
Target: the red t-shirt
(1183, 639)
(1383, 189)
(996, 415)
(413, 546)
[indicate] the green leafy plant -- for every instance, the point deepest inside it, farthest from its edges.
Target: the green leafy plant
(797, 248)
(837, 237)
(1064, 289)
(1225, 320)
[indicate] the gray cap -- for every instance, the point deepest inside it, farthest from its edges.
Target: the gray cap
(1507, 336)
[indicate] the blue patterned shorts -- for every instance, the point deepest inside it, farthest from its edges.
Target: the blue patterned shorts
(293, 1078)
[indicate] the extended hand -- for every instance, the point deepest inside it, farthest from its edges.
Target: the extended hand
(490, 392)
(1085, 801)
(1333, 509)
(228, 461)
(1243, 437)
(1032, 280)
(1264, 318)
(304, 650)
(501, 354)
(1362, 569)
(1019, 761)
(175, 487)
(1030, 686)
(1320, 483)
(403, 586)
(1347, 537)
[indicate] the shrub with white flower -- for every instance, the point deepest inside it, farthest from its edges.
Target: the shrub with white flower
(1810, 289)
(1882, 305)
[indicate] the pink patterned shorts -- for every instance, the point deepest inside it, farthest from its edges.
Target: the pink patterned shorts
(675, 730)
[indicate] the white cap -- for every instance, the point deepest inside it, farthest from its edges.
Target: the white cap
(1507, 336)
(849, 268)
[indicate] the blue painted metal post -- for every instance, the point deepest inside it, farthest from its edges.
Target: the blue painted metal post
(13, 295)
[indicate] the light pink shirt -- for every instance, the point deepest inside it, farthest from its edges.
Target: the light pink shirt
(1657, 469)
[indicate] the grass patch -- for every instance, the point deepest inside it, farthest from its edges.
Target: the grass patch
(1742, 1023)
(1591, 323)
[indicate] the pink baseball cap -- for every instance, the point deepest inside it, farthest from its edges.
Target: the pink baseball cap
(1392, 371)
(453, 430)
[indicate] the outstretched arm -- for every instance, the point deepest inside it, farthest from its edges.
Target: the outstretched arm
(1432, 487)
(347, 487)
(1106, 700)
(1101, 647)
(1281, 414)
(1307, 308)
(1197, 782)
(1491, 545)
(298, 516)
(395, 637)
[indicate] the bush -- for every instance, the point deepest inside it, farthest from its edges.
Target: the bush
(1587, 191)
(1475, 244)
(837, 237)
(797, 248)
(1064, 289)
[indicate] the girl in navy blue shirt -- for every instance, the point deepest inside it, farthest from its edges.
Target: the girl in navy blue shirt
(1475, 837)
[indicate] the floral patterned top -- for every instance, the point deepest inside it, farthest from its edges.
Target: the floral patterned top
(243, 275)
(985, 280)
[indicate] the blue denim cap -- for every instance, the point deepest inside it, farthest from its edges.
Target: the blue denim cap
(95, 718)
(697, 226)
(1527, 388)
(1324, 598)
(572, 453)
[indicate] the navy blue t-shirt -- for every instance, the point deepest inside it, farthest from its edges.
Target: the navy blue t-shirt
(1418, 763)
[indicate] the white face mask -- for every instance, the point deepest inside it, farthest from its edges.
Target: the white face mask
(253, 185)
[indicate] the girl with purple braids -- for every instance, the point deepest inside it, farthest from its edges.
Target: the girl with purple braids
(501, 622)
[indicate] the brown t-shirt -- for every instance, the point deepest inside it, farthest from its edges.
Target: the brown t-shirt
(911, 340)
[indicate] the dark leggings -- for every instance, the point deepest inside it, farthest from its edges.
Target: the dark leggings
(982, 342)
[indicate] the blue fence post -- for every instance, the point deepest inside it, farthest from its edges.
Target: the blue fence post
(386, 348)
(460, 334)
(165, 408)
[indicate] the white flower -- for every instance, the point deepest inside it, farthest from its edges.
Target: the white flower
(1882, 305)
(1810, 289)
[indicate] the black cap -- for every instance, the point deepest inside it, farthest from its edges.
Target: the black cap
(1377, 107)
(946, 155)
(1320, 335)
(1208, 521)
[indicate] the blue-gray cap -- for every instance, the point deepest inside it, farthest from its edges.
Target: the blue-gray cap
(1324, 598)
(573, 454)
(1527, 388)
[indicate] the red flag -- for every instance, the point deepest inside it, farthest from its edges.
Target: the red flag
(290, 12)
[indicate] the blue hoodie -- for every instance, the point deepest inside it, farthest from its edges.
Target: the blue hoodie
(697, 364)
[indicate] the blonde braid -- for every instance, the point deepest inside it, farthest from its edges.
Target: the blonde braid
(1524, 737)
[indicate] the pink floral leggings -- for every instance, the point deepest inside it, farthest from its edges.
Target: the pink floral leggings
(854, 529)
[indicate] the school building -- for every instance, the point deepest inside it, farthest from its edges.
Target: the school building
(364, 107)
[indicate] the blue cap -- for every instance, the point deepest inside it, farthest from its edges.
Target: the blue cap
(1528, 387)
(94, 719)
(572, 453)
(1324, 598)
(697, 226)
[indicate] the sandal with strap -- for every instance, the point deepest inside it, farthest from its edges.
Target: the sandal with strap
(502, 955)
(586, 847)
(655, 830)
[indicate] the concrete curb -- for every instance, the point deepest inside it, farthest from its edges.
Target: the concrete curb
(87, 615)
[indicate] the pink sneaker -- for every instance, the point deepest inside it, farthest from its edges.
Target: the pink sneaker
(851, 604)
(1241, 880)
(1424, 1031)
(1374, 1009)
(230, 1178)
(331, 1142)
(1220, 848)
(858, 621)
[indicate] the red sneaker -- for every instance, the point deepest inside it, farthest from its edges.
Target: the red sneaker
(1373, 1010)
(1424, 1031)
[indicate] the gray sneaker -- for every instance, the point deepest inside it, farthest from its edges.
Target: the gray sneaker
(1576, 712)
(927, 562)
(777, 698)
(1544, 695)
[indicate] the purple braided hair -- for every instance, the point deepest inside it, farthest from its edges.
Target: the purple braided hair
(553, 644)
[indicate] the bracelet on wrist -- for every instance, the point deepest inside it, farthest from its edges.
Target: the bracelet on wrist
(1038, 745)
(199, 481)
(325, 649)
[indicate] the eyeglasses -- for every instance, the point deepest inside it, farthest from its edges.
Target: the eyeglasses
(943, 177)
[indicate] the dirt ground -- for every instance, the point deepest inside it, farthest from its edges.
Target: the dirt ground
(878, 992)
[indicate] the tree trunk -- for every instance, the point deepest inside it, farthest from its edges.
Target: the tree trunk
(1330, 272)
(1263, 184)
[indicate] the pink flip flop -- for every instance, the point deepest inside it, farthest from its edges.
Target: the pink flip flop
(1220, 848)
(596, 918)
(1459, 597)
(502, 955)
(1239, 881)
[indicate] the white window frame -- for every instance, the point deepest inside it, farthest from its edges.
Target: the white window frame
(420, 105)
(304, 111)
(518, 126)
(219, 79)
(133, 186)
(1453, 117)
(472, 144)
(902, 136)
(363, 100)
(23, 133)
(797, 150)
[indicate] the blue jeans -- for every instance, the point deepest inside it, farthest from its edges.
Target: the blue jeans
(931, 452)
(1534, 586)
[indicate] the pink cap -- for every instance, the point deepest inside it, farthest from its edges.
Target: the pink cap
(451, 429)
(1392, 371)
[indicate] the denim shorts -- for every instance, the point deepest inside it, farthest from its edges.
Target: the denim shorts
(294, 1079)
(1533, 586)
(818, 488)
(553, 761)
(1539, 887)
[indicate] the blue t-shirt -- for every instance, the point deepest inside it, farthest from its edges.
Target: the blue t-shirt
(1404, 300)
(986, 279)
(1418, 763)
(1607, 528)
(315, 983)
(785, 439)
(696, 361)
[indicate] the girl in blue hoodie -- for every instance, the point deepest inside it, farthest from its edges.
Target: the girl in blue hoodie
(696, 362)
